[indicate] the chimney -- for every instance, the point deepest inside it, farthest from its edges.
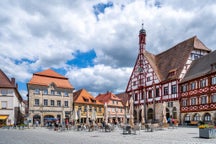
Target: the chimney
(13, 81)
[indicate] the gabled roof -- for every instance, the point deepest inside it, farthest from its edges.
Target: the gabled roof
(152, 60)
(47, 77)
(176, 57)
(124, 98)
(201, 67)
(83, 96)
(5, 82)
(106, 97)
(50, 73)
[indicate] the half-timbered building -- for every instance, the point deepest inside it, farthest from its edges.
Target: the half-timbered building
(155, 78)
(198, 91)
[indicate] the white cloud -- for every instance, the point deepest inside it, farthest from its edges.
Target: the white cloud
(48, 33)
(99, 78)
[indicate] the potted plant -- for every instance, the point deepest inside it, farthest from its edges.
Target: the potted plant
(207, 131)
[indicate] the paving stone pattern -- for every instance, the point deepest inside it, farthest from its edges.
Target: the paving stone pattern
(180, 135)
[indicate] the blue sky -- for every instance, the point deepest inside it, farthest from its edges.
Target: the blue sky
(95, 43)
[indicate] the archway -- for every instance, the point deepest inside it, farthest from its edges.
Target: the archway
(150, 114)
(140, 115)
(167, 113)
(49, 119)
(196, 117)
(36, 120)
(135, 116)
(174, 113)
(187, 118)
(207, 117)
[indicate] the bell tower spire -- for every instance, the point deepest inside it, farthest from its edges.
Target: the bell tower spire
(142, 39)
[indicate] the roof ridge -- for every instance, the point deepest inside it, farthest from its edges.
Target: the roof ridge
(191, 38)
(50, 73)
(8, 80)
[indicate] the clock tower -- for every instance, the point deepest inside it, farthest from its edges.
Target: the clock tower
(142, 39)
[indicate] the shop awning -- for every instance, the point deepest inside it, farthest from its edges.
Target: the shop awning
(3, 117)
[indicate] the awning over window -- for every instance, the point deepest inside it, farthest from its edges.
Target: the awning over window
(3, 117)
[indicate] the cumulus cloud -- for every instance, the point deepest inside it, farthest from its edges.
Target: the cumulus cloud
(35, 35)
(100, 78)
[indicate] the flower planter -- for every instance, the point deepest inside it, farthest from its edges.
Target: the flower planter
(207, 133)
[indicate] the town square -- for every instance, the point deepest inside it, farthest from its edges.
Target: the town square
(180, 135)
(141, 71)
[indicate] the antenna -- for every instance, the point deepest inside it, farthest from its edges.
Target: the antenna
(142, 24)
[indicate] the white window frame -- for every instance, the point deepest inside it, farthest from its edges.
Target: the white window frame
(45, 102)
(4, 104)
(213, 98)
(58, 103)
(203, 100)
(66, 104)
(52, 102)
(36, 102)
(213, 80)
(184, 102)
(193, 85)
(193, 101)
(203, 83)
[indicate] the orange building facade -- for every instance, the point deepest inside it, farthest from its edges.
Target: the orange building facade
(87, 107)
(50, 97)
(116, 110)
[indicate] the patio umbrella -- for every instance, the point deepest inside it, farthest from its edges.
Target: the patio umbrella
(131, 121)
(142, 114)
(116, 116)
(105, 113)
(77, 115)
(164, 113)
(93, 116)
(87, 115)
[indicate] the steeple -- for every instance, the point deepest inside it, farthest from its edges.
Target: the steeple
(142, 39)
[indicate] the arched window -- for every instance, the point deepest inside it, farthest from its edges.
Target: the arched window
(174, 113)
(187, 117)
(36, 119)
(196, 117)
(150, 114)
(207, 117)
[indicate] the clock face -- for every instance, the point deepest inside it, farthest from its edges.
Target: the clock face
(140, 69)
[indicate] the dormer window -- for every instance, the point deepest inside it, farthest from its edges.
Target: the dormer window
(85, 99)
(94, 101)
(172, 73)
(213, 66)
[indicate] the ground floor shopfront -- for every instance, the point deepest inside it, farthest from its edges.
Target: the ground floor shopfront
(196, 117)
(38, 118)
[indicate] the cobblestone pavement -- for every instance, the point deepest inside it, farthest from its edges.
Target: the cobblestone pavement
(46, 136)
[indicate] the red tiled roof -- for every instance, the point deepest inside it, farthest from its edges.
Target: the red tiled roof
(49, 76)
(176, 57)
(4, 81)
(81, 95)
(124, 98)
(50, 73)
(105, 98)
